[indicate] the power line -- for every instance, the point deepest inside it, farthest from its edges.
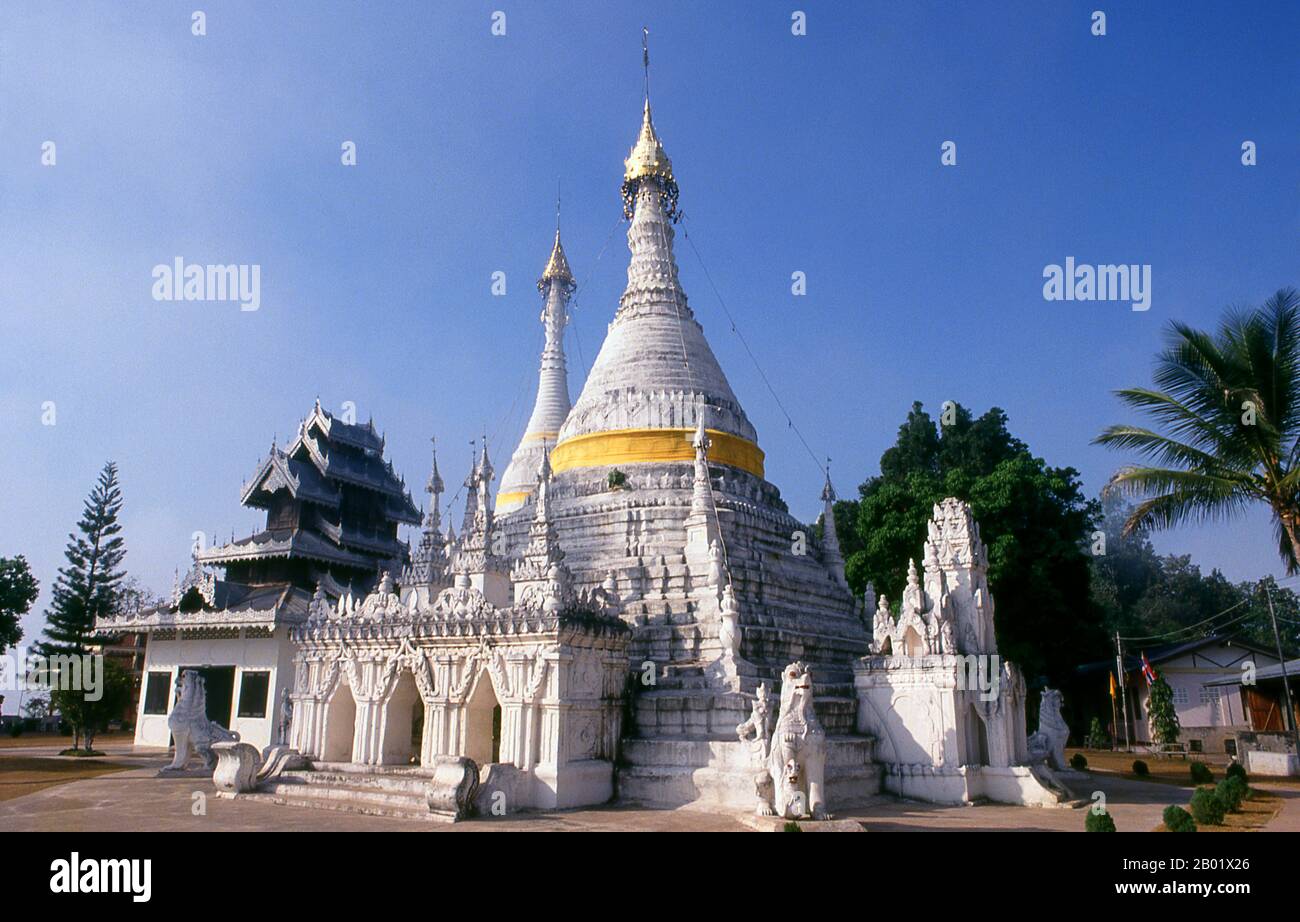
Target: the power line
(1191, 627)
(577, 339)
(735, 329)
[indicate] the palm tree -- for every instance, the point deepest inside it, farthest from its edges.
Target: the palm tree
(1229, 408)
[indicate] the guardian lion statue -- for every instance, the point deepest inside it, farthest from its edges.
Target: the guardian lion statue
(1048, 743)
(792, 785)
(193, 731)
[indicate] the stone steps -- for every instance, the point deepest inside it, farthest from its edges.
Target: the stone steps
(668, 773)
(688, 713)
(683, 703)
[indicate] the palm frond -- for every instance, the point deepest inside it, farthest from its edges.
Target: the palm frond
(1162, 449)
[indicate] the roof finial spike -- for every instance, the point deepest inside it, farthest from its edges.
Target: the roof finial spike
(645, 62)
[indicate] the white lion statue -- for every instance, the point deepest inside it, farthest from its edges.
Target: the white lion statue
(193, 731)
(791, 779)
(1048, 744)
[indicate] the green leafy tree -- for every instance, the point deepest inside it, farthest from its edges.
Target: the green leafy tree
(88, 717)
(37, 708)
(18, 590)
(1228, 409)
(87, 586)
(1161, 715)
(1033, 518)
(1142, 594)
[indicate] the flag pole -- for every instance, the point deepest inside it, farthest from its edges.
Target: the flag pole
(1123, 689)
(1281, 657)
(1114, 719)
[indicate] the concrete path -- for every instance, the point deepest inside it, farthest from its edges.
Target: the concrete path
(1288, 818)
(136, 800)
(1135, 806)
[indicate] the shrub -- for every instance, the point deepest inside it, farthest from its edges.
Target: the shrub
(1201, 773)
(1140, 768)
(616, 479)
(1099, 822)
(1229, 794)
(16, 729)
(1178, 820)
(1078, 762)
(1237, 770)
(791, 826)
(1207, 809)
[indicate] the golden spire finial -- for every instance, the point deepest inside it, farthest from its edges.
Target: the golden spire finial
(646, 159)
(557, 267)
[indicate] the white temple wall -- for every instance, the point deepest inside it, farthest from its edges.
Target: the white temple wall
(273, 654)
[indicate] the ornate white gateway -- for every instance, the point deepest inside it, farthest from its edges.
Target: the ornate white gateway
(531, 693)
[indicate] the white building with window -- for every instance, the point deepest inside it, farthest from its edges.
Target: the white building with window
(240, 648)
(1208, 714)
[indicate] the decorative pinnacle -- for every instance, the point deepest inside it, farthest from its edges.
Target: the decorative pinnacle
(435, 485)
(647, 157)
(828, 491)
(647, 160)
(557, 268)
(701, 441)
(485, 469)
(544, 472)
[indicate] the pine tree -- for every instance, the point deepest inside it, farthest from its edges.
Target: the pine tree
(1161, 715)
(87, 587)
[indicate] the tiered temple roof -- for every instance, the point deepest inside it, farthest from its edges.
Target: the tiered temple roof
(332, 502)
(333, 506)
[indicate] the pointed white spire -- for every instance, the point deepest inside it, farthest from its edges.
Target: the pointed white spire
(552, 405)
(831, 555)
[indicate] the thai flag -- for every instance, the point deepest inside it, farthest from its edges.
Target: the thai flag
(1148, 672)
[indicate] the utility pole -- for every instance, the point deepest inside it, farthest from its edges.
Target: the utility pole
(1123, 689)
(1281, 658)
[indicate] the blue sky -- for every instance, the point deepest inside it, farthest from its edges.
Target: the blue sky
(817, 153)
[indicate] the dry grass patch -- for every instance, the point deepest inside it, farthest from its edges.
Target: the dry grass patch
(57, 741)
(20, 775)
(1162, 771)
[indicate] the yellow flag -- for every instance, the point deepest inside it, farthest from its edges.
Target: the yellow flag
(1112, 685)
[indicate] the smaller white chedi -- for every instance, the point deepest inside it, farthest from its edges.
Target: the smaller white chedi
(947, 712)
(552, 405)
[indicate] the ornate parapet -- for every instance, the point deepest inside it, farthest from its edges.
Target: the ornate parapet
(536, 688)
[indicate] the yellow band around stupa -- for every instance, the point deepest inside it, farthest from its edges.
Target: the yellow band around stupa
(637, 446)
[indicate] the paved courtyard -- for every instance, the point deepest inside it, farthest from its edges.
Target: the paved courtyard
(133, 799)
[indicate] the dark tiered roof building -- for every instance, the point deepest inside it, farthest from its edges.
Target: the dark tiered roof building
(333, 506)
